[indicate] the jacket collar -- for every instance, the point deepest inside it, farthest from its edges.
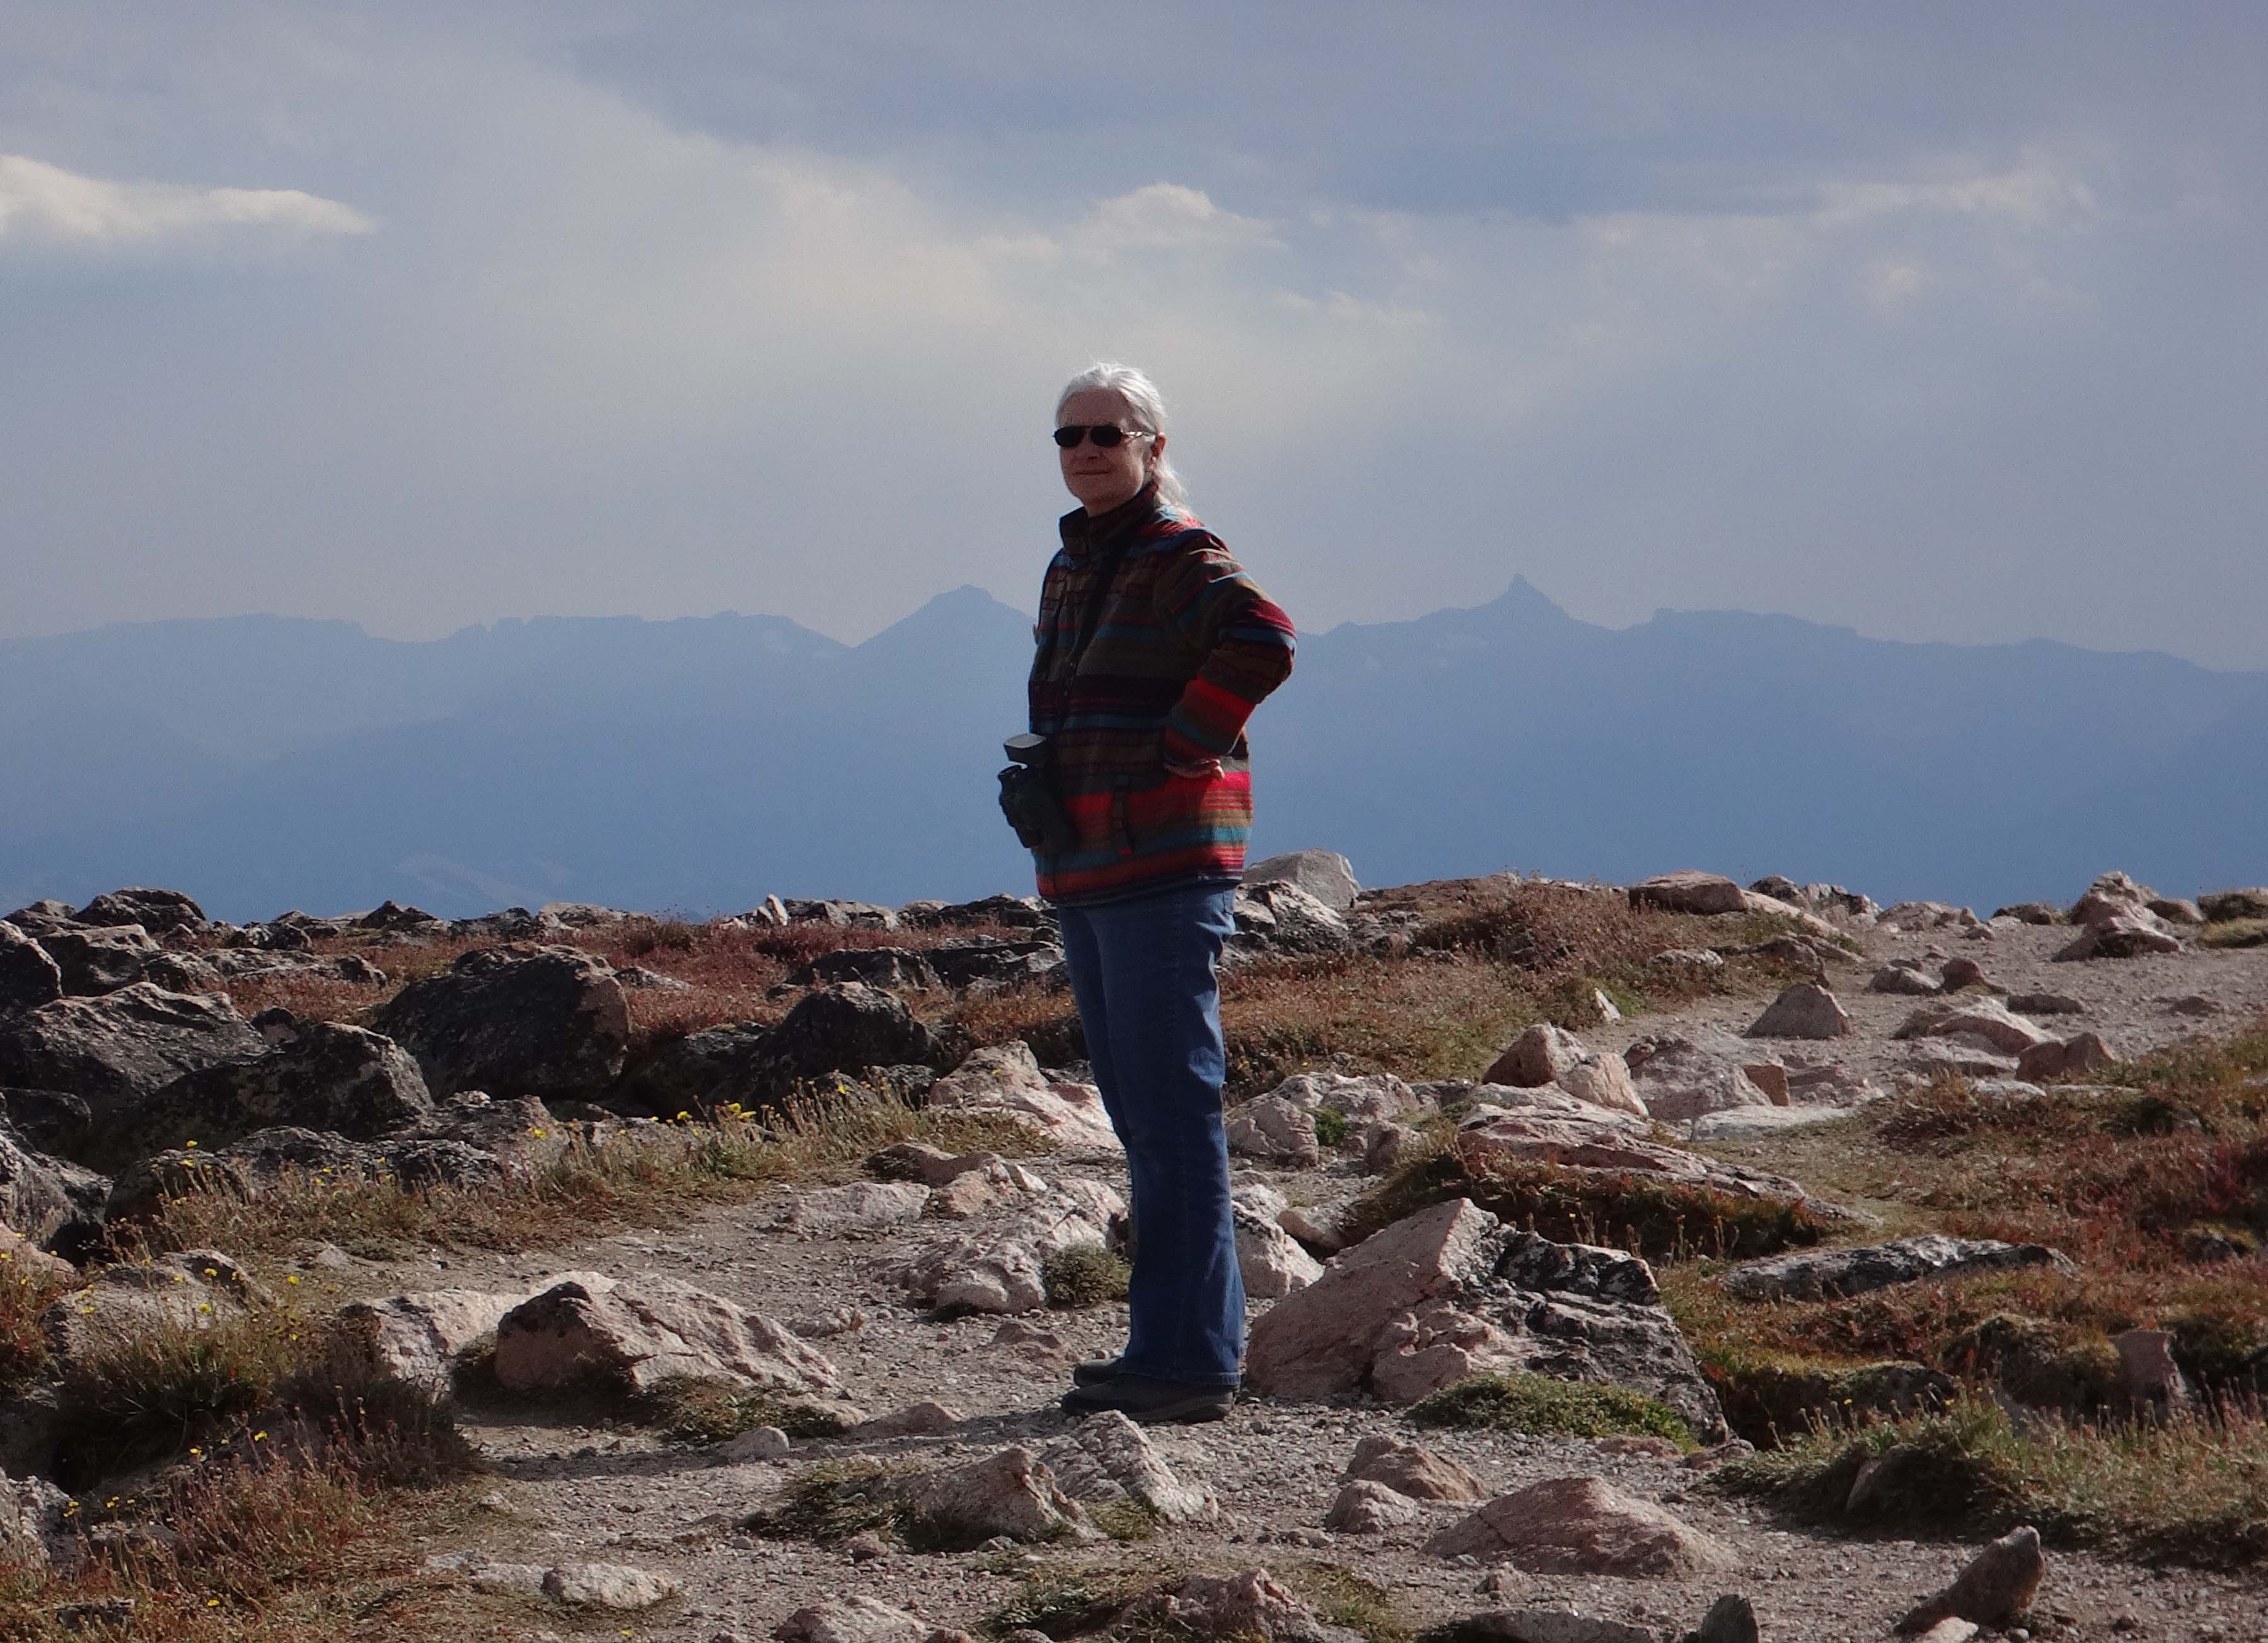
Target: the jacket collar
(1084, 533)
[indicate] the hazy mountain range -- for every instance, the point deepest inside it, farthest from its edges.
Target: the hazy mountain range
(262, 763)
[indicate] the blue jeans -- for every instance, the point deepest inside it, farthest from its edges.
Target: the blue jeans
(1142, 973)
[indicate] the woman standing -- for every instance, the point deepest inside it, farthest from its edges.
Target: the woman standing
(1154, 649)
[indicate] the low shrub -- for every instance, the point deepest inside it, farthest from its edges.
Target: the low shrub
(1650, 1217)
(1340, 1597)
(1075, 1600)
(1768, 1397)
(695, 1409)
(293, 1524)
(2193, 1491)
(1541, 1405)
(26, 1291)
(1084, 1275)
(2236, 933)
(135, 1393)
(624, 1179)
(829, 1503)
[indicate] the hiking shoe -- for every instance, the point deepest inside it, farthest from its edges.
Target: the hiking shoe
(1094, 1371)
(1140, 1398)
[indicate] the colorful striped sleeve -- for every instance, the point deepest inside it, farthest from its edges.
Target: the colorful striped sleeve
(1247, 642)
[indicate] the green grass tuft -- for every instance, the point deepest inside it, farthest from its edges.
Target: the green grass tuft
(1539, 1404)
(2190, 1490)
(1656, 1219)
(833, 1501)
(695, 1409)
(1084, 1275)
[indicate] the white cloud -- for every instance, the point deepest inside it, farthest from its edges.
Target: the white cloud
(2033, 196)
(1168, 217)
(42, 202)
(1891, 286)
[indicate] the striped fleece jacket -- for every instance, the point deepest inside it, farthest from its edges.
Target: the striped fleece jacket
(1185, 648)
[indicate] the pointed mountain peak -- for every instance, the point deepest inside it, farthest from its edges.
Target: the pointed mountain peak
(965, 610)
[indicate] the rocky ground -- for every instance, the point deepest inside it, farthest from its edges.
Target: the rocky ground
(909, 1300)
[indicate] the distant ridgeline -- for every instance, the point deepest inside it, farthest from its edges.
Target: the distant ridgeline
(701, 764)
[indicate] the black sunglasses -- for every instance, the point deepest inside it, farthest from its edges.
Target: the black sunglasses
(1105, 434)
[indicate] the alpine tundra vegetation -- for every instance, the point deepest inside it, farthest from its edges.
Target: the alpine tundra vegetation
(1665, 1261)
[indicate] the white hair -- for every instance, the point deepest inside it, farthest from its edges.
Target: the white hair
(1147, 407)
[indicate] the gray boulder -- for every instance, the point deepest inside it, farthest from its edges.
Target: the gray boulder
(876, 967)
(1324, 874)
(1251, 1606)
(843, 1028)
(1995, 1589)
(1009, 912)
(1806, 1009)
(1450, 1291)
(1987, 1021)
(587, 1331)
(29, 977)
(115, 1051)
(1412, 1469)
(253, 1165)
(1547, 1054)
(1582, 1526)
(416, 1339)
(992, 960)
(548, 1021)
(1282, 917)
(56, 1204)
(1011, 1493)
(1274, 1130)
(1269, 1259)
(1828, 1274)
(94, 962)
(509, 923)
(53, 1121)
(37, 1526)
(1359, 1099)
(1907, 977)
(1363, 1507)
(2030, 913)
(37, 918)
(1688, 892)
(161, 912)
(842, 915)
(1001, 1269)
(320, 1075)
(2122, 936)
(711, 1068)
(1105, 1460)
(390, 917)
(2081, 1052)
(2117, 921)
(1678, 1076)
(852, 1619)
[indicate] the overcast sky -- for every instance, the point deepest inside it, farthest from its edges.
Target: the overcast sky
(1940, 321)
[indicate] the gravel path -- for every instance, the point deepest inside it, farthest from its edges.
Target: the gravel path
(566, 1491)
